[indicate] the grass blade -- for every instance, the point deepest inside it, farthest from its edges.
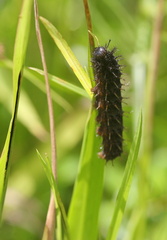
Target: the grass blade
(38, 81)
(85, 203)
(60, 82)
(18, 61)
(126, 183)
(61, 214)
(68, 55)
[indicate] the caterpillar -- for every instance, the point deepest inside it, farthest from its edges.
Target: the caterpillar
(108, 101)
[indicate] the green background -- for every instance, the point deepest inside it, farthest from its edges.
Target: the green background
(129, 25)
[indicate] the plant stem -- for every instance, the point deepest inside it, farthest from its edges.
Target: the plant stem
(144, 163)
(89, 26)
(152, 74)
(50, 220)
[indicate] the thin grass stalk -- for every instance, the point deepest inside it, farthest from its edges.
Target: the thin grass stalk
(49, 231)
(89, 26)
(152, 73)
(145, 161)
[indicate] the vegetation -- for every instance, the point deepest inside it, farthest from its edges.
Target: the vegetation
(125, 199)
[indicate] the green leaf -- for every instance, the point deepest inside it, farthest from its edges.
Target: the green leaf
(63, 83)
(39, 83)
(18, 61)
(60, 210)
(69, 56)
(86, 198)
(125, 185)
(26, 115)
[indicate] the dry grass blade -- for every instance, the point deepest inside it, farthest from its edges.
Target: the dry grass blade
(50, 220)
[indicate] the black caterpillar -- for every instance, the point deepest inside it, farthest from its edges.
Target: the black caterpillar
(108, 101)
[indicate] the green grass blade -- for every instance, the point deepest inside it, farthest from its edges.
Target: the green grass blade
(18, 61)
(60, 82)
(38, 81)
(68, 55)
(60, 210)
(21, 42)
(26, 115)
(85, 203)
(126, 183)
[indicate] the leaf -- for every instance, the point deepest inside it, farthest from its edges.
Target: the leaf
(125, 185)
(60, 210)
(26, 115)
(63, 83)
(39, 83)
(86, 198)
(69, 56)
(18, 61)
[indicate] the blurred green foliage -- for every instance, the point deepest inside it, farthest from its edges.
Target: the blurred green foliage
(129, 25)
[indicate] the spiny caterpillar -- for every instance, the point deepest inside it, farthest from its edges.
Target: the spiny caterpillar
(108, 101)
